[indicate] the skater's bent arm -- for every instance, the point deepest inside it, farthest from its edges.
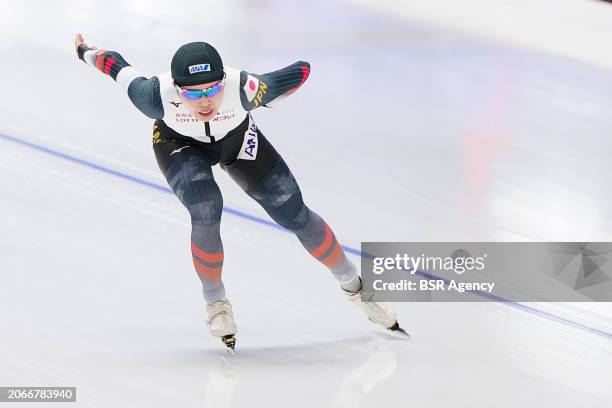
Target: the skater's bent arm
(143, 92)
(267, 89)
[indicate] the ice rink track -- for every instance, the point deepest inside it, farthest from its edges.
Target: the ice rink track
(405, 131)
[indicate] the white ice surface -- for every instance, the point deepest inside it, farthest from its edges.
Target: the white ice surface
(404, 132)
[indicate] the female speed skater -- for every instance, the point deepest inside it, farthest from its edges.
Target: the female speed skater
(202, 118)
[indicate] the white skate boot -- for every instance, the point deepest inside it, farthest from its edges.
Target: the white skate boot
(221, 322)
(381, 313)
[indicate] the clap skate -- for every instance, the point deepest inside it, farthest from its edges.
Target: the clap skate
(381, 313)
(221, 323)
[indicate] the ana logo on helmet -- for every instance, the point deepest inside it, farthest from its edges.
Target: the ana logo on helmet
(194, 69)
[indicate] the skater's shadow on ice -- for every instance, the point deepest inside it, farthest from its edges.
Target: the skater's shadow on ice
(317, 352)
(337, 352)
(367, 362)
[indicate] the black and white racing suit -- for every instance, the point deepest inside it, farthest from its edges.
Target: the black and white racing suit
(186, 148)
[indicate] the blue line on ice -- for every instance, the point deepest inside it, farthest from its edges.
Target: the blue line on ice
(164, 189)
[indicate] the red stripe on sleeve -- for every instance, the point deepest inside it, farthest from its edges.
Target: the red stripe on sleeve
(109, 63)
(99, 59)
(305, 73)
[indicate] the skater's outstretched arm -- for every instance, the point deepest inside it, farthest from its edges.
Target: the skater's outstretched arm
(267, 89)
(143, 92)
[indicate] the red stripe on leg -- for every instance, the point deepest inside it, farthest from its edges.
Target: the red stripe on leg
(213, 274)
(334, 258)
(321, 249)
(209, 257)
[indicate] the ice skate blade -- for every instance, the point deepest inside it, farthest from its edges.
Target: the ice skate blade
(230, 342)
(397, 331)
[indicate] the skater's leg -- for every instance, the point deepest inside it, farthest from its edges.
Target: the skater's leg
(269, 181)
(189, 174)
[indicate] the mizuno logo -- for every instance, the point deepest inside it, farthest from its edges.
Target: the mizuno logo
(178, 150)
(176, 104)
